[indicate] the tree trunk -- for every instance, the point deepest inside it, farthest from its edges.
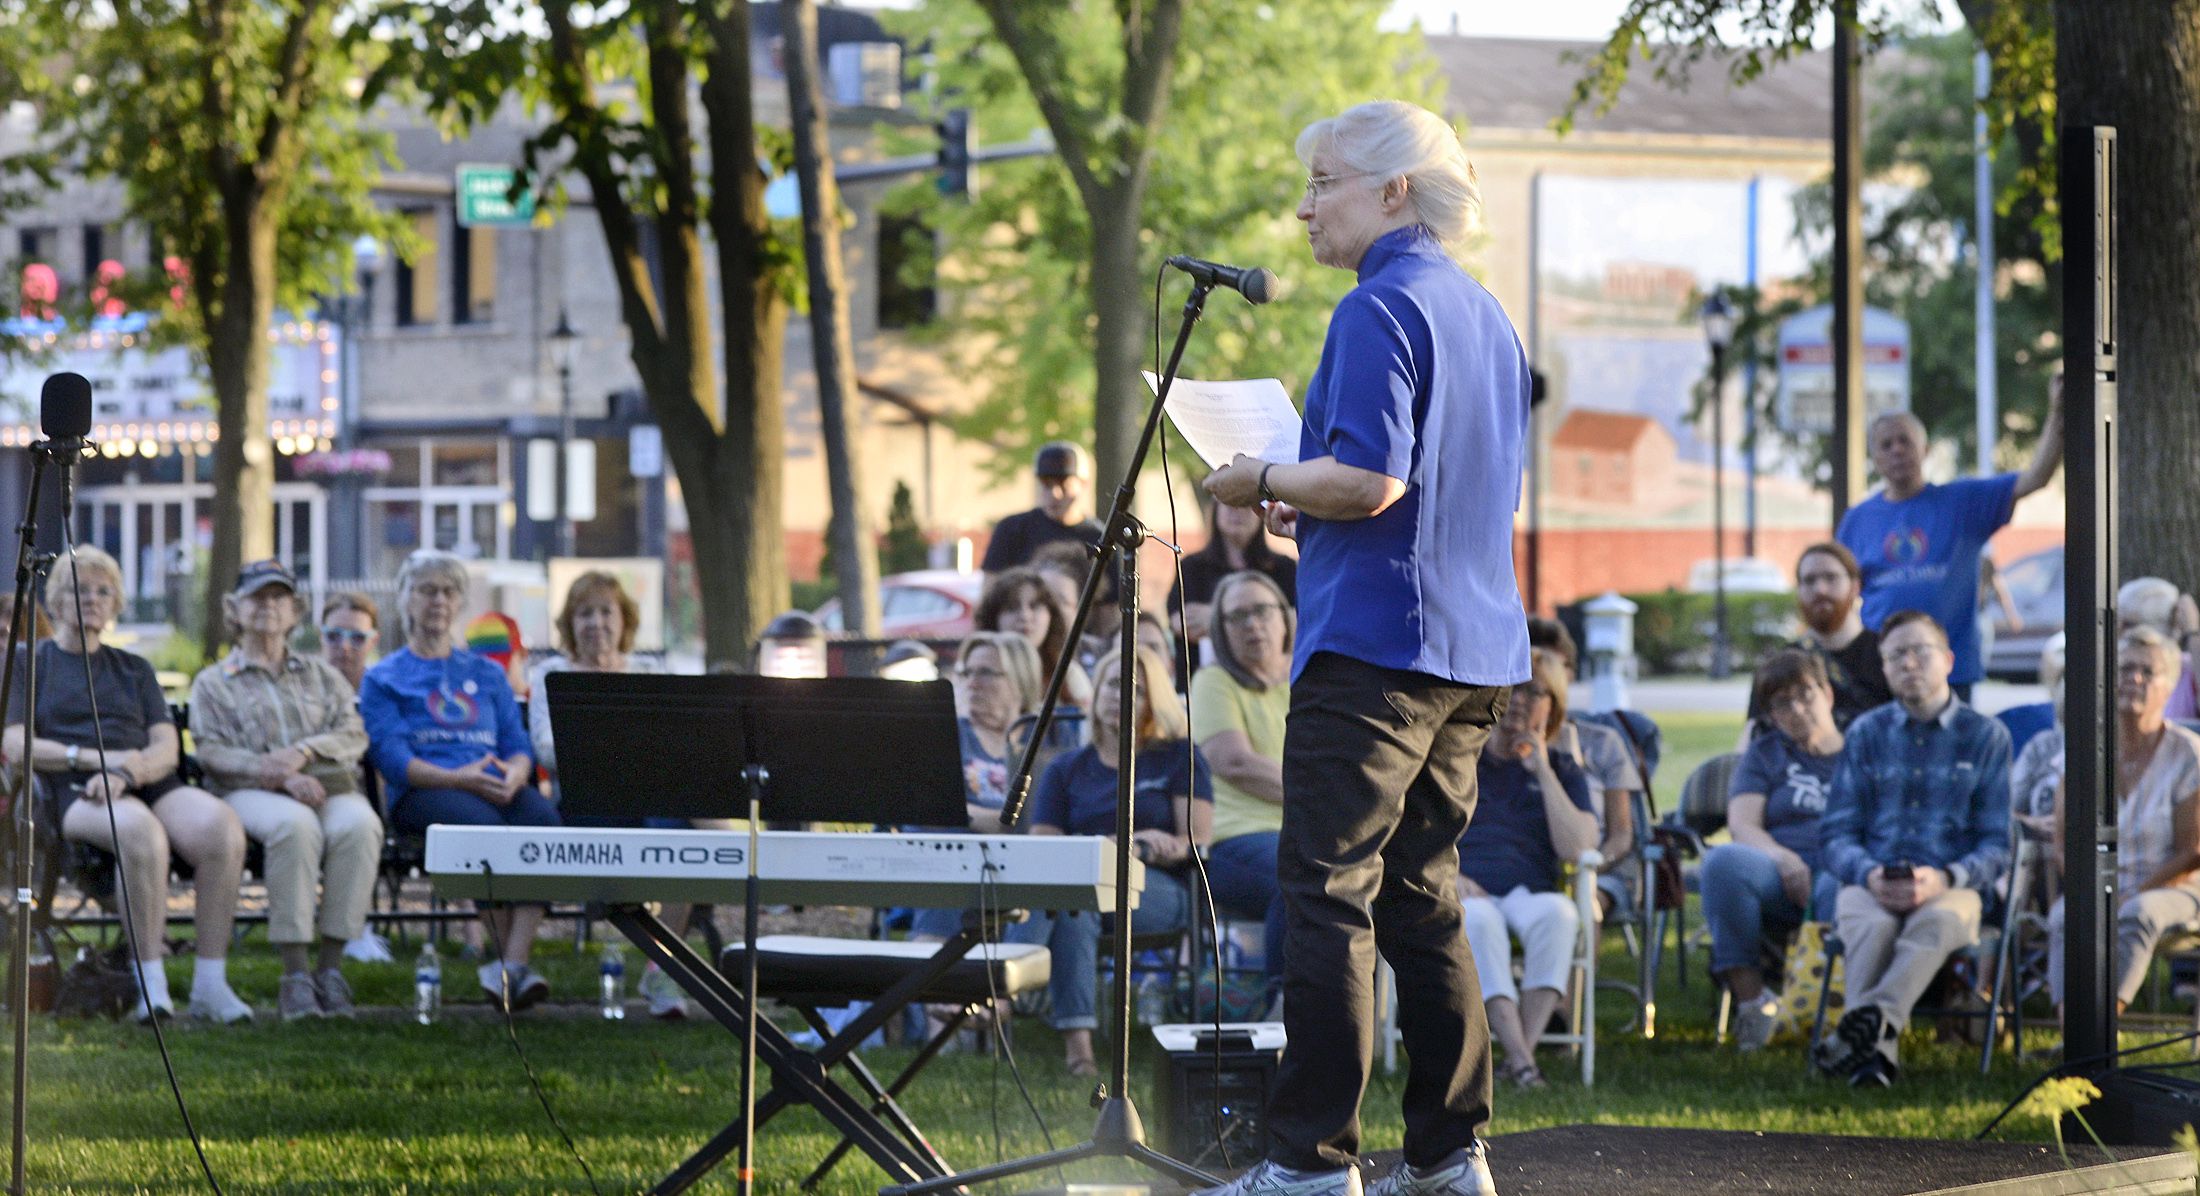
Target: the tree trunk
(239, 360)
(855, 551)
(1121, 335)
(748, 484)
(2135, 64)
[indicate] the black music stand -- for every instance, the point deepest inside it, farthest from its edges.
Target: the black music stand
(832, 749)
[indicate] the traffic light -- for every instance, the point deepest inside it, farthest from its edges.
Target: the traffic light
(958, 178)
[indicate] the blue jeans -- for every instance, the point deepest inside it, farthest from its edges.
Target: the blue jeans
(420, 809)
(1242, 872)
(1073, 943)
(1743, 901)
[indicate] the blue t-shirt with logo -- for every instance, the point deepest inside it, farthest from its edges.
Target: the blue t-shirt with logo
(1076, 793)
(1421, 379)
(450, 712)
(1508, 845)
(1794, 784)
(1922, 554)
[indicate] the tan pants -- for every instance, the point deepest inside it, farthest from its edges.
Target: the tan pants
(1890, 959)
(316, 859)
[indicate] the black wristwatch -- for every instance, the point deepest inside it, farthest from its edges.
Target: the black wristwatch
(1265, 492)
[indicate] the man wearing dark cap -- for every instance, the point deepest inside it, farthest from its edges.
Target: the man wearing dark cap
(1063, 472)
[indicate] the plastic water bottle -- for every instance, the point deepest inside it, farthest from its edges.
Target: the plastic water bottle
(428, 986)
(612, 971)
(1153, 1001)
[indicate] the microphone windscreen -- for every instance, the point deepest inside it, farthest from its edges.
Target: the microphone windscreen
(1260, 285)
(65, 407)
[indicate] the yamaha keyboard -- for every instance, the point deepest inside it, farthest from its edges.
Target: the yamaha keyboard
(625, 867)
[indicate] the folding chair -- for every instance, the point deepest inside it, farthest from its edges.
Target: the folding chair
(1702, 814)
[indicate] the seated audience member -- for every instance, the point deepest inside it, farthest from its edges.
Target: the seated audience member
(279, 736)
(38, 630)
(1239, 704)
(997, 682)
(1763, 884)
(1064, 565)
(1062, 472)
(1532, 814)
(2032, 719)
(1236, 543)
(351, 625)
(2157, 816)
(1604, 753)
(596, 629)
(1916, 830)
(446, 736)
(1021, 602)
(792, 645)
(129, 802)
(1829, 588)
(1173, 808)
(2153, 602)
(2036, 779)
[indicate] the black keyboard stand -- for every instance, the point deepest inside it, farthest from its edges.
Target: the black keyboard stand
(800, 1076)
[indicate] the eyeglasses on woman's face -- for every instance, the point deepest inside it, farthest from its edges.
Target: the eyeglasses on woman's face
(1319, 184)
(1247, 616)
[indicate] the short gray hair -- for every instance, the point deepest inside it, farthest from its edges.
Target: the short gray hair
(1391, 139)
(2147, 602)
(1903, 417)
(2168, 661)
(422, 564)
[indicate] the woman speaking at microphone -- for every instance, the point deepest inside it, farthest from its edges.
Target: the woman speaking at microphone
(1410, 638)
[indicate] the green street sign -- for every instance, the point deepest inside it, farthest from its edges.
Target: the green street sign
(484, 198)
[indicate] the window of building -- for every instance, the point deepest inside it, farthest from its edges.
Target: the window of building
(419, 289)
(473, 275)
(34, 244)
(465, 463)
(906, 261)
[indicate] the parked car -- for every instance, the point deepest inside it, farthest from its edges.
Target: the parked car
(926, 604)
(2036, 587)
(1744, 575)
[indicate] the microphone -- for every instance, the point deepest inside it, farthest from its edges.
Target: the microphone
(1256, 284)
(65, 409)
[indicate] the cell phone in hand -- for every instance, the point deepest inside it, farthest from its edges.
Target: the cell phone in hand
(1897, 872)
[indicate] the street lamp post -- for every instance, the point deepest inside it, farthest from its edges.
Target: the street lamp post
(1718, 333)
(564, 340)
(347, 558)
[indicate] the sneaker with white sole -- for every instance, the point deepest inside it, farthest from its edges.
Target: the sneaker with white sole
(1463, 1172)
(221, 1006)
(1274, 1179)
(666, 1002)
(295, 997)
(1754, 1021)
(528, 987)
(334, 993)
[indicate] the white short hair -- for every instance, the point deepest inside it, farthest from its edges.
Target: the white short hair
(1391, 139)
(2147, 602)
(422, 564)
(2168, 661)
(1906, 419)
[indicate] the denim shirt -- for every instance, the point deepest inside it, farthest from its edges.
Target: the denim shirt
(1933, 792)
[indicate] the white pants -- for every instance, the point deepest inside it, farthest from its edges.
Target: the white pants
(1546, 925)
(320, 863)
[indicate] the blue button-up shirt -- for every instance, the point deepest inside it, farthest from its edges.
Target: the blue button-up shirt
(1932, 791)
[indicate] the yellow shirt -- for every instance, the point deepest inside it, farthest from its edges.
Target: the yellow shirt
(1220, 704)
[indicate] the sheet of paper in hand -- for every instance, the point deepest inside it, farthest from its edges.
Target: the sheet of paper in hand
(1222, 419)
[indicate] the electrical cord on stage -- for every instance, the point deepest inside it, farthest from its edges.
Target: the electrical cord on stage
(1203, 889)
(511, 1030)
(2066, 1068)
(122, 877)
(988, 907)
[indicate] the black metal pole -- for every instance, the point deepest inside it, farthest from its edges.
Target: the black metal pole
(2089, 580)
(26, 894)
(1722, 655)
(745, 1177)
(1848, 277)
(565, 450)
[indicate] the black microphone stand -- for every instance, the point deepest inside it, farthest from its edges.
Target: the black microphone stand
(29, 565)
(1117, 1132)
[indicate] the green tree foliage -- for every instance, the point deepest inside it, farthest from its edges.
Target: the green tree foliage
(1019, 262)
(234, 135)
(615, 87)
(905, 549)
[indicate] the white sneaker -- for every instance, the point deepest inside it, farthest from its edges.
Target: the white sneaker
(1272, 1179)
(164, 1009)
(1754, 1021)
(1464, 1172)
(220, 1005)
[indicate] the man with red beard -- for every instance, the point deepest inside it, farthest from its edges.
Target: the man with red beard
(1828, 593)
